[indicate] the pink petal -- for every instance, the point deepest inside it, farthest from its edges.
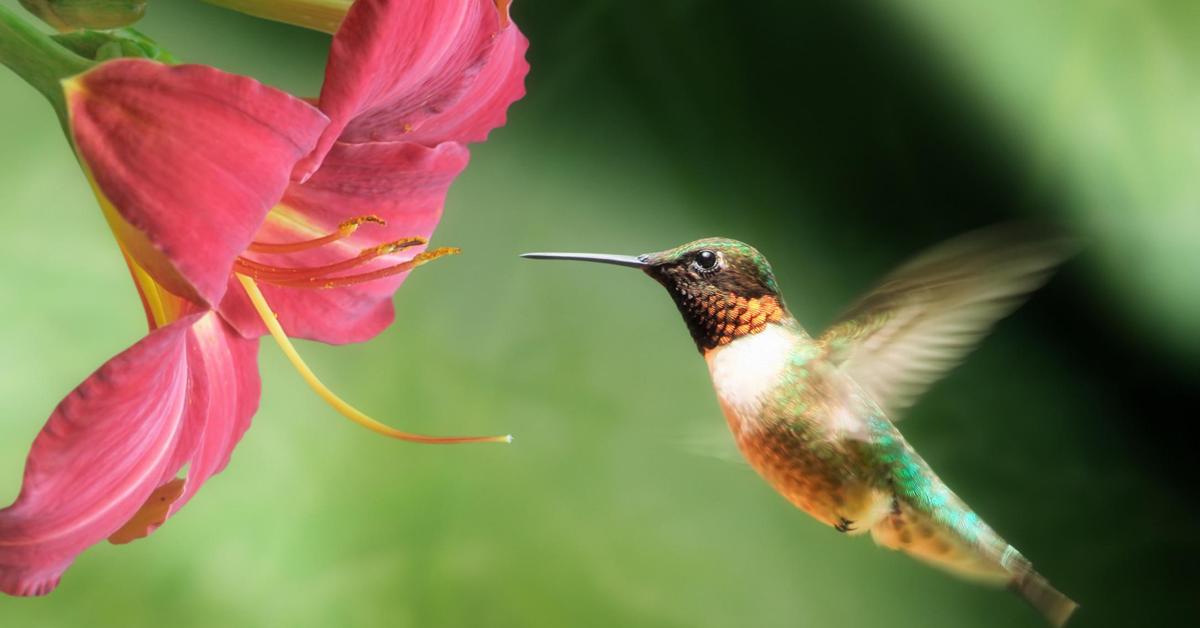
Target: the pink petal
(396, 67)
(98, 458)
(180, 395)
(224, 392)
(191, 159)
(483, 107)
(403, 183)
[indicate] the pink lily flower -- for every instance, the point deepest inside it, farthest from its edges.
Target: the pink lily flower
(191, 168)
(399, 118)
(182, 207)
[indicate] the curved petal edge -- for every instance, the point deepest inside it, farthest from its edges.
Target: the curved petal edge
(426, 71)
(190, 158)
(184, 394)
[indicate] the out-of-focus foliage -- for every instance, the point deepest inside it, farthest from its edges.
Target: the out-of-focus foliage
(836, 137)
(1101, 99)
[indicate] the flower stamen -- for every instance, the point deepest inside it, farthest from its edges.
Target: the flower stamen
(272, 274)
(326, 282)
(344, 230)
(345, 409)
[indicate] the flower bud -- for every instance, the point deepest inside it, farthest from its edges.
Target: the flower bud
(69, 15)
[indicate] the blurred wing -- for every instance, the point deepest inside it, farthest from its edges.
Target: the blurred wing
(924, 317)
(710, 440)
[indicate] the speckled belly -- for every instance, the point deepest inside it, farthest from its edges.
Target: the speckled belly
(813, 476)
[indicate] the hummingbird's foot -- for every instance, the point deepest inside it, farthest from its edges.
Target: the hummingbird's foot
(844, 525)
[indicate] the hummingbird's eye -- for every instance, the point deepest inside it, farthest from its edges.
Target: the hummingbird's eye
(705, 260)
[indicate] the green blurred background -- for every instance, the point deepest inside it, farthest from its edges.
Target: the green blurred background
(839, 138)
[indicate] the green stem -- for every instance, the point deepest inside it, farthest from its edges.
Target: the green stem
(38, 59)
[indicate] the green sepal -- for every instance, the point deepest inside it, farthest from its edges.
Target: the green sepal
(114, 44)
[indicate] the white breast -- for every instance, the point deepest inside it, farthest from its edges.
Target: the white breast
(745, 370)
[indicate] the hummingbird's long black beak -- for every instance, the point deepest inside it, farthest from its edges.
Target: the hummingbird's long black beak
(619, 260)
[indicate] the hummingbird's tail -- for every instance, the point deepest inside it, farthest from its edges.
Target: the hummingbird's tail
(956, 540)
(1040, 594)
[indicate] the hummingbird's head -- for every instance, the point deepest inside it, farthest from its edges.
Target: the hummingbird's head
(712, 266)
(724, 289)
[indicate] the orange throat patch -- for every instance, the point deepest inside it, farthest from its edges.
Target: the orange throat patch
(718, 318)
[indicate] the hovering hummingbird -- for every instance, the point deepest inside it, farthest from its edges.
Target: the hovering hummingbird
(815, 416)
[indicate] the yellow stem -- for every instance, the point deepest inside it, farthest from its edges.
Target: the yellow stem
(320, 15)
(345, 409)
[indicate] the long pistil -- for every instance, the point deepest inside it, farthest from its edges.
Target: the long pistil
(344, 408)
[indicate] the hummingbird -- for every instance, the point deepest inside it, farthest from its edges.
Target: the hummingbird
(816, 416)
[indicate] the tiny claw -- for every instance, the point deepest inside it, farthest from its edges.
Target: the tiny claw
(844, 525)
